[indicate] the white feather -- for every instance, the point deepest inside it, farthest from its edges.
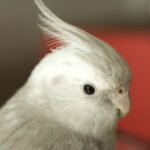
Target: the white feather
(53, 26)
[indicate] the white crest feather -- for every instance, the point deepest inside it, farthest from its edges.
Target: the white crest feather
(62, 32)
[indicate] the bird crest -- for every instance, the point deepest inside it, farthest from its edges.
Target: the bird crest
(58, 34)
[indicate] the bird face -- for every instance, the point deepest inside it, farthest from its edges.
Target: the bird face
(81, 95)
(85, 82)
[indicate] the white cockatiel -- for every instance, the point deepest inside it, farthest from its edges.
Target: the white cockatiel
(74, 96)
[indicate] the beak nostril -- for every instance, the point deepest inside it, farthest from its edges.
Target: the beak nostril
(121, 91)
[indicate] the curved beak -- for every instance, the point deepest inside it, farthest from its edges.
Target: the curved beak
(122, 104)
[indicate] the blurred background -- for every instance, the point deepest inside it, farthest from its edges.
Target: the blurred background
(124, 24)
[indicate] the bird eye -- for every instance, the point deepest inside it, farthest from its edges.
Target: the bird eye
(89, 89)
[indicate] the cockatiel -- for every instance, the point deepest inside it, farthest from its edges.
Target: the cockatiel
(74, 96)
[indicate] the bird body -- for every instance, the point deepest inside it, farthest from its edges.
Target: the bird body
(74, 96)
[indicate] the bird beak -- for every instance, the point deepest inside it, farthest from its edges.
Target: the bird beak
(123, 105)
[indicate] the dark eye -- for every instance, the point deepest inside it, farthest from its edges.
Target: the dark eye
(89, 89)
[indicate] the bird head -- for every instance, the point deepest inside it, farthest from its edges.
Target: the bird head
(83, 82)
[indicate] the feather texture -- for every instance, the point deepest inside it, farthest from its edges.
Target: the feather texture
(57, 32)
